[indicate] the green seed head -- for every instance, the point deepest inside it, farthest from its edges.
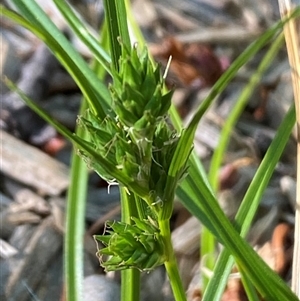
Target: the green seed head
(138, 87)
(139, 245)
(136, 138)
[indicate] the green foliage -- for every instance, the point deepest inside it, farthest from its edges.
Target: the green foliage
(128, 139)
(75, 222)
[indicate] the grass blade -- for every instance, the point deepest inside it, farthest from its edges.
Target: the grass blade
(186, 140)
(207, 241)
(114, 31)
(84, 34)
(238, 109)
(75, 221)
(250, 203)
(249, 288)
(261, 275)
(95, 92)
(207, 197)
(122, 21)
(225, 79)
(115, 13)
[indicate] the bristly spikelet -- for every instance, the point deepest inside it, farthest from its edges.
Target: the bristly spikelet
(138, 87)
(138, 139)
(139, 245)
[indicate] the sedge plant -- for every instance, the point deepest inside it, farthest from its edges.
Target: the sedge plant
(131, 135)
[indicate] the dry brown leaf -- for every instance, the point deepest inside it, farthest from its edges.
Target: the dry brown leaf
(193, 64)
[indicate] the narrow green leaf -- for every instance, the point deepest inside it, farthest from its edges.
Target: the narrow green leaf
(84, 34)
(75, 221)
(122, 21)
(114, 31)
(198, 207)
(207, 241)
(39, 23)
(251, 200)
(187, 137)
(115, 12)
(137, 33)
(243, 253)
(249, 288)
(224, 231)
(233, 117)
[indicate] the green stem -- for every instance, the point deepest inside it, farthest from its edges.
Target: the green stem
(249, 287)
(207, 251)
(130, 278)
(141, 207)
(75, 215)
(130, 285)
(171, 263)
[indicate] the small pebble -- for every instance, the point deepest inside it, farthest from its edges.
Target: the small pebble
(100, 288)
(288, 188)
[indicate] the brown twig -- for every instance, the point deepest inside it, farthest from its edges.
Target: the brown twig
(279, 246)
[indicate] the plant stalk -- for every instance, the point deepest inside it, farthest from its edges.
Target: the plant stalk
(75, 215)
(171, 263)
(130, 278)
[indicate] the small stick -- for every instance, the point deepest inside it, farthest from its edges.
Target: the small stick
(293, 49)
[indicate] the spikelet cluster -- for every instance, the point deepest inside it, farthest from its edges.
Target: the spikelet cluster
(131, 246)
(136, 137)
